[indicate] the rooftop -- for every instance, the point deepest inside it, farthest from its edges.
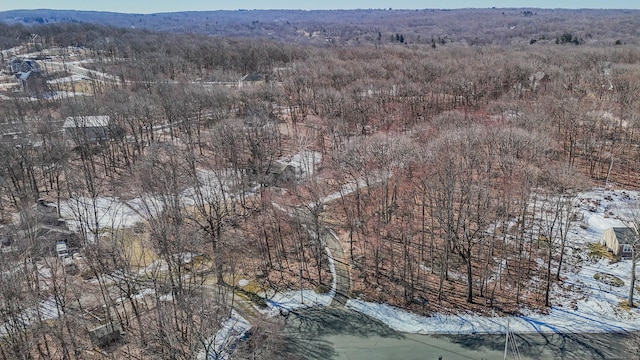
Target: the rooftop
(624, 235)
(86, 121)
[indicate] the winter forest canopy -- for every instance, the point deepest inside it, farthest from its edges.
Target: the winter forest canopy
(441, 166)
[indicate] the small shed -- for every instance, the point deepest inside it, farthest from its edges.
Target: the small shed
(106, 334)
(62, 250)
(252, 79)
(619, 240)
(282, 172)
(87, 129)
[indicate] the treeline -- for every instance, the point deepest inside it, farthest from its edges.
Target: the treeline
(370, 26)
(190, 53)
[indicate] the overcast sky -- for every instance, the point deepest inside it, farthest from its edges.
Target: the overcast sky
(152, 6)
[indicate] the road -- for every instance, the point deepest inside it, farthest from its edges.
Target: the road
(79, 70)
(337, 333)
(343, 278)
(332, 242)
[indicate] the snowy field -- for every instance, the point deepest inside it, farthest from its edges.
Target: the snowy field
(113, 213)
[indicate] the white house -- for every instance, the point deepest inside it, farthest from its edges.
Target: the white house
(619, 240)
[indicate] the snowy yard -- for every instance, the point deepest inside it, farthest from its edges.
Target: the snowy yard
(113, 213)
(107, 212)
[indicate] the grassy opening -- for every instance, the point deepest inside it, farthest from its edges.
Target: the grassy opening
(599, 251)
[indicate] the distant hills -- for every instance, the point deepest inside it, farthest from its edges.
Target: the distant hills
(470, 26)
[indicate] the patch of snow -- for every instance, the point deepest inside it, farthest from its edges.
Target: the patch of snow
(353, 186)
(220, 346)
(68, 79)
(58, 95)
(144, 292)
(146, 205)
(155, 267)
(306, 161)
(185, 258)
(210, 186)
(298, 299)
(166, 297)
(559, 320)
(103, 212)
(45, 310)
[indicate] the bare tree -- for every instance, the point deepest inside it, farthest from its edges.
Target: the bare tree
(558, 214)
(463, 195)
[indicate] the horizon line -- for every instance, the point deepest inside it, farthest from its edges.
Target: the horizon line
(310, 10)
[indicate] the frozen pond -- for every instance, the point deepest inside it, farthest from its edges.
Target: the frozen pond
(332, 333)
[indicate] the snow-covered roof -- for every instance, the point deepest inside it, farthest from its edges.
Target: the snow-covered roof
(86, 121)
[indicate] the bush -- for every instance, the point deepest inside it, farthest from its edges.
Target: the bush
(599, 251)
(253, 297)
(608, 279)
(87, 274)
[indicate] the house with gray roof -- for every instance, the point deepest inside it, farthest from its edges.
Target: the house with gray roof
(87, 129)
(27, 71)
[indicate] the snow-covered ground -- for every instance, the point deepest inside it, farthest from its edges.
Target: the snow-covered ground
(305, 162)
(221, 345)
(68, 79)
(106, 212)
(113, 213)
(583, 305)
(297, 299)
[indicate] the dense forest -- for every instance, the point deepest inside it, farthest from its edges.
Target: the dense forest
(445, 165)
(472, 27)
